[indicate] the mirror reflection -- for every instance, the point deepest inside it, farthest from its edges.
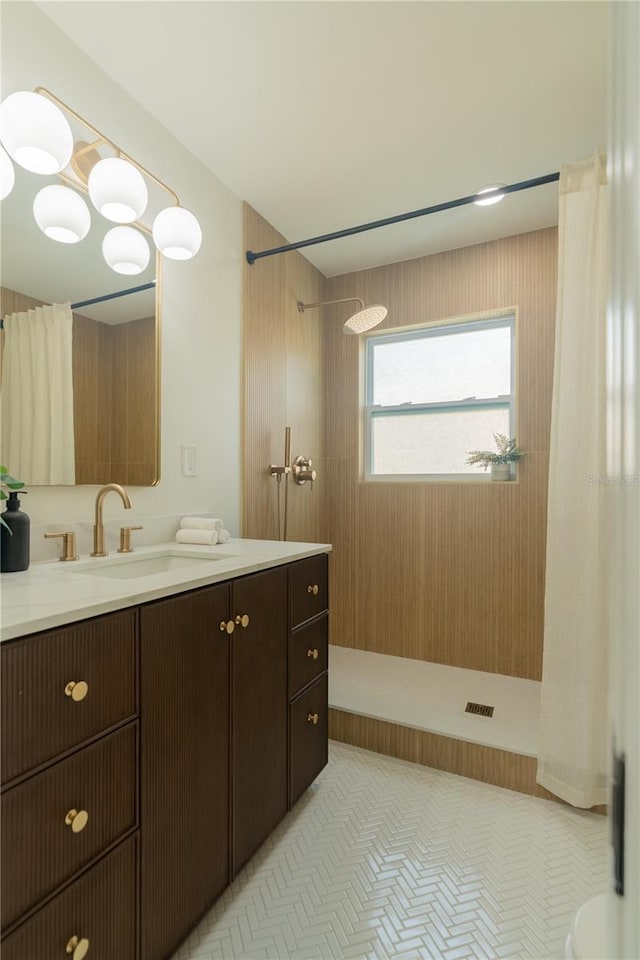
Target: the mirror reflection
(111, 406)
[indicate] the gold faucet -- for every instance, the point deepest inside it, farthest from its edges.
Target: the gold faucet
(98, 529)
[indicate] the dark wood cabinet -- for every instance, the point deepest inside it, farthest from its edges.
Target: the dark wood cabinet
(100, 907)
(44, 710)
(184, 785)
(308, 677)
(74, 810)
(147, 754)
(308, 733)
(259, 710)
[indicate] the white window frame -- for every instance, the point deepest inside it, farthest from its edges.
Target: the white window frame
(495, 319)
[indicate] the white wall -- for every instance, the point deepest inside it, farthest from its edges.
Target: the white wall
(202, 298)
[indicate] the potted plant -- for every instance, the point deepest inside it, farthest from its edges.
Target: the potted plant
(7, 482)
(500, 460)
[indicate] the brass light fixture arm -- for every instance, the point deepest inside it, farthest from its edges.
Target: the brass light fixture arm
(326, 303)
(103, 139)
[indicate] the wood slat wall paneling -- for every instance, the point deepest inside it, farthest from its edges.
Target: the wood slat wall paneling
(283, 386)
(449, 572)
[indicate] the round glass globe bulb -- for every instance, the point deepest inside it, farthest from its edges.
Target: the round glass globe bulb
(177, 233)
(35, 133)
(61, 214)
(118, 190)
(7, 174)
(126, 250)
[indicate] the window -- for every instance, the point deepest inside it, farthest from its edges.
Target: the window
(434, 394)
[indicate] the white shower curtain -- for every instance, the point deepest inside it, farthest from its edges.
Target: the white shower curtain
(37, 396)
(573, 742)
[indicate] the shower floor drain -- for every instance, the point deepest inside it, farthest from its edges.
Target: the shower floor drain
(480, 709)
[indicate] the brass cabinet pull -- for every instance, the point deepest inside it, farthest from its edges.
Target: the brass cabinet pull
(312, 718)
(77, 820)
(313, 653)
(313, 588)
(243, 621)
(78, 947)
(227, 625)
(77, 690)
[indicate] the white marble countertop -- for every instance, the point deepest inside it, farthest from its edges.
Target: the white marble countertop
(51, 593)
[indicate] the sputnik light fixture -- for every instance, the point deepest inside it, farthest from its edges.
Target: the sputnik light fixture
(36, 133)
(362, 320)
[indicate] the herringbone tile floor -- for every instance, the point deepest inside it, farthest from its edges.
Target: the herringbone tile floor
(383, 858)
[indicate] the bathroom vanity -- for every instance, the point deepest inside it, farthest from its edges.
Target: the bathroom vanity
(153, 735)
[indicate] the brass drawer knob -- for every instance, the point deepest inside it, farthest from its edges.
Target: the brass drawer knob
(312, 718)
(77, 947)
(313, 588)
(77, 690)
(243, 621)
(77, 820)
(227, 625)
(313, 653)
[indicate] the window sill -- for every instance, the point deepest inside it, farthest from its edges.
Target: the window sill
(449, 479)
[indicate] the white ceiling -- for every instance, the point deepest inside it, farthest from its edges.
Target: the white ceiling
(323, 115)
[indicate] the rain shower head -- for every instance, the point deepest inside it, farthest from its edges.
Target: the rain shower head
(364, 319)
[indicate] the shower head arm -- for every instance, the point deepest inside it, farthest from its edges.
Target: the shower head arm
(326, 303)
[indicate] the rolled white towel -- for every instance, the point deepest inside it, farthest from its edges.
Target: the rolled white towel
(206, 537)
(224, 536)
(201, 523)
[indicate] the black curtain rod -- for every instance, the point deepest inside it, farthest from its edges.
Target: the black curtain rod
(113, 296)
(412, 215)
(107, 296)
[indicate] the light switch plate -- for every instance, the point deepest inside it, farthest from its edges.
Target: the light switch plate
(189, 461)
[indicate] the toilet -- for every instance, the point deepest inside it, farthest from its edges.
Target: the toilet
(588, 936)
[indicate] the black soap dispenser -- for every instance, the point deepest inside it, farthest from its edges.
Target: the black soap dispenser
(14, 537)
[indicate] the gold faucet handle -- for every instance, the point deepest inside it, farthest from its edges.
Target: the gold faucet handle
(125, 539)
(68, 544)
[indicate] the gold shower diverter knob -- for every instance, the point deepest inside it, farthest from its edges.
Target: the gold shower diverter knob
(242, 621)
(77, 690)
(312, 718)
(313, 653)
(77, 820)
(313, 588)
(77, 947)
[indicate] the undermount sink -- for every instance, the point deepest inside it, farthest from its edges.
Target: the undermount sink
(133, 567)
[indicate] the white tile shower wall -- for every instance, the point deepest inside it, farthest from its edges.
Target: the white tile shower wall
(202, 299)
(386, 859)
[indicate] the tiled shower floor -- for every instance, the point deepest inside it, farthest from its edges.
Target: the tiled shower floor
(382, 858)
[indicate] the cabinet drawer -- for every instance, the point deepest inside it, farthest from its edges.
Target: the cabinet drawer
(308, 592)
(308, 740)
(99, 907)
(307, 654)
(40, 717)
(41, 846)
